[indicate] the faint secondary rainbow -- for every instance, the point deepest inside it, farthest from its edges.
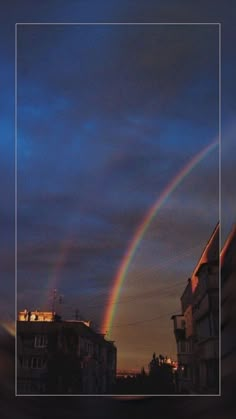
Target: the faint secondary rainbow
(134, 243)
(53, 280)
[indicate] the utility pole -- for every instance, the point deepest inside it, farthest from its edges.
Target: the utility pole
(54, 296)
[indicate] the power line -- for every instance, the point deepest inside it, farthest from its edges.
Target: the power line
(143, 296)
(144, 321)
(151, 293)
(154, 269)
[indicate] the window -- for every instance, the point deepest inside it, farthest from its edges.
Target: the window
(25, 387)
(37, 363)
(89, 348)
(34, 362)
(40, 341)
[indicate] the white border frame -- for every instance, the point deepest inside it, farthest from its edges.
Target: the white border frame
(120, 396)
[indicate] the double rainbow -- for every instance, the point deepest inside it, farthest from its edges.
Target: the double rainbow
(129, 254)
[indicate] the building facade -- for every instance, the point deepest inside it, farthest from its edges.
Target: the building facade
(228, 309)
(63, 357)
(183, 376)
(197, 328)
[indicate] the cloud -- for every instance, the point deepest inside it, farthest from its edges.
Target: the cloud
(106, 119)
(109, 71)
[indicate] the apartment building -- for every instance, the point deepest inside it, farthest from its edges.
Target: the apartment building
(197, 327)
(63, 357)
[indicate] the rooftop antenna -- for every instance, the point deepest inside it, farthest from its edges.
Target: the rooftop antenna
(56, 298)
(77, 314)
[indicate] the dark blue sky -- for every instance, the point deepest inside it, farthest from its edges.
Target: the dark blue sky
(107, 116)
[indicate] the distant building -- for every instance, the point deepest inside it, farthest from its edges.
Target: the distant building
(127, 373)
(63, 357)
(197, 327)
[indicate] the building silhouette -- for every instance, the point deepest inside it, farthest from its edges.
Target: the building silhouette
(228, 307)
(197, 327)
(62, 357)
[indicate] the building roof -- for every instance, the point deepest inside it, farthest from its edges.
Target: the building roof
(50, 326)
(209, 254)
(227, 256)
(229, 243)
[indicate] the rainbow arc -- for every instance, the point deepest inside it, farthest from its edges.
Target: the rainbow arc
(142, 228)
